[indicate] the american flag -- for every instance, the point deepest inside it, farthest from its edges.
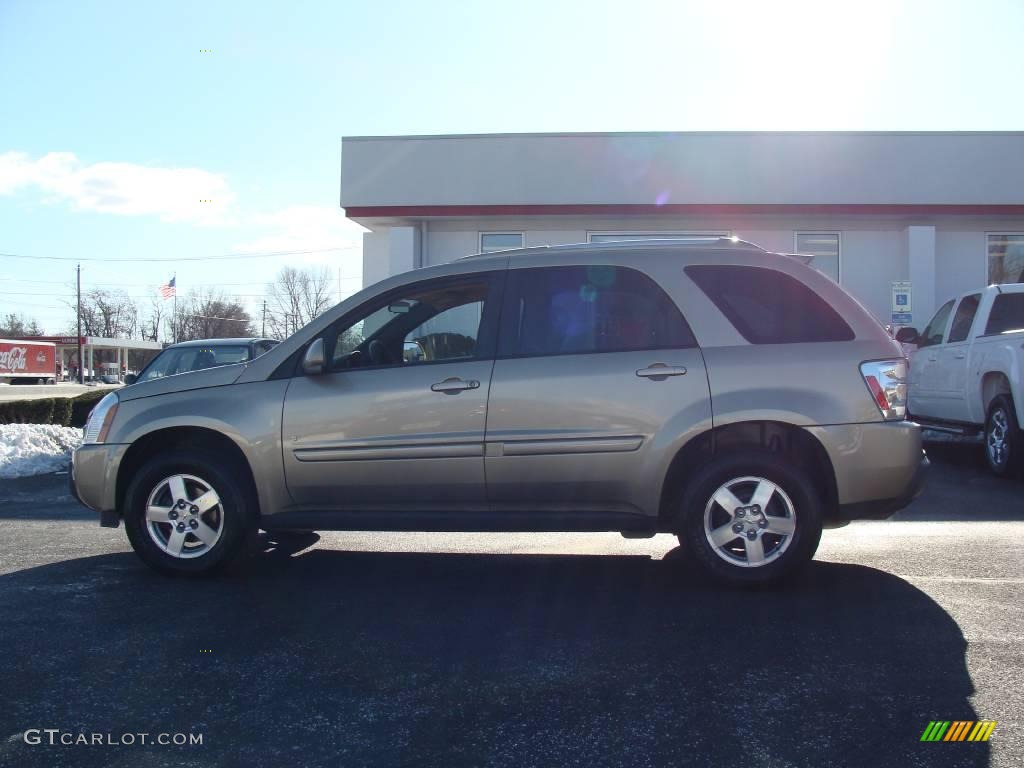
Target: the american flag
(167, 289)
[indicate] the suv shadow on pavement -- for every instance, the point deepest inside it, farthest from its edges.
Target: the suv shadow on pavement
(359, 658)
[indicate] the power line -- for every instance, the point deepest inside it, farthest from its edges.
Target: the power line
(34, 304)
(128, 295)
(152, 285)
(222, 257)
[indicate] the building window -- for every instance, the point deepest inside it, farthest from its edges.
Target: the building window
(823, 248)
(500, 241)
(614, 237)
(1005, 257)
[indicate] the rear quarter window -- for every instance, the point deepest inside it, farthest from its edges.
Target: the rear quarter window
(769, 307)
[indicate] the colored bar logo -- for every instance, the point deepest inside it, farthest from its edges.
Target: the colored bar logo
(958, 730)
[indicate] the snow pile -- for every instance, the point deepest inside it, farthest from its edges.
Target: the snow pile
(35, 449)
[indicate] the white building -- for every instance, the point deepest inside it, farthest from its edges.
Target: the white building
(944, 211)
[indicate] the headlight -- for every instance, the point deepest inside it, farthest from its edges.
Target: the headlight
(100, 418)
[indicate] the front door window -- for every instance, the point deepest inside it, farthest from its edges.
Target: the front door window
(428, 325)
(933, 332)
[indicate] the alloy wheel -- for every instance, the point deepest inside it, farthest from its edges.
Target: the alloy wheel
(749, 522)
(184, 516)
(996, 442)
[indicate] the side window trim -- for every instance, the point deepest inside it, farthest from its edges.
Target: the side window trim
(486, 343)
(508, 336)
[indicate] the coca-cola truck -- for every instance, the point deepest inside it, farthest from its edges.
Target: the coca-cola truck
(28, 362)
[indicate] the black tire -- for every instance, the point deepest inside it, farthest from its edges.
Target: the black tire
(784, 555)
(1003, 448)
(234, 513)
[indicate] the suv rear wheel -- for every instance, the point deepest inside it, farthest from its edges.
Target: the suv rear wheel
(185, 514)
(750, 518)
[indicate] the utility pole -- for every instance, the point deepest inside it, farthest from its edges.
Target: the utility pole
(78, 281)
(263, 330)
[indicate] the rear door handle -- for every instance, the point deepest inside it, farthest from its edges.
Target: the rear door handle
(961, 356)
(454, 385)
(660, 371)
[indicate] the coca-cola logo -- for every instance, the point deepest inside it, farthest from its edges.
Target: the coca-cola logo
(41, 358)
(14, 359)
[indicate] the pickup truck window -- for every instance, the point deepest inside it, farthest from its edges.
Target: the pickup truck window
(933, 332)
(1007, 314)
(964, 317)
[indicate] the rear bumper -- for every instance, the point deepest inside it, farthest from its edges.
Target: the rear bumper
(880, 467)
(93, 479)
(880, 510)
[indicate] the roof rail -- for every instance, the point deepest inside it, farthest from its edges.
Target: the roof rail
(695, 241)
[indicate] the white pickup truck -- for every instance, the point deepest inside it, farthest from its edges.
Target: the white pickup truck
(966, 374)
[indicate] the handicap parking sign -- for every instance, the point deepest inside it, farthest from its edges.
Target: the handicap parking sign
(901, 296)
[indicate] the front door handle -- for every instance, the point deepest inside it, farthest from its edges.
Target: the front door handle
(960, 356)
(660, 371)
(454, 385)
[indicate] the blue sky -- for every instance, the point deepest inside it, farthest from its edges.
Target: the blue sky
(114, 124)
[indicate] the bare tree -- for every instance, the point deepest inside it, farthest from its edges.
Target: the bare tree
(210, 314)
(110, 314)
(296, 297)
(18, 325)
(151, 328)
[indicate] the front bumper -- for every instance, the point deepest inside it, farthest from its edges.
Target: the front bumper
(880, 467)
(93, 479)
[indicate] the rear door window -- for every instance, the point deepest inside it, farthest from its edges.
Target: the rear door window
(964, 317)
(769, 307)
(587, 309)
(1007, 314)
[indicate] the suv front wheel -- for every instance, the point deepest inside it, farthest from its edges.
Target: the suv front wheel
(185, 514)
(750, 518)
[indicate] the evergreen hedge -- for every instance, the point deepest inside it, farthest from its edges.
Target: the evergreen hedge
(65, 411)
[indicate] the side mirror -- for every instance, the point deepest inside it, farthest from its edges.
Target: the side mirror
(130, 378)
(315, 361)
(907, 335)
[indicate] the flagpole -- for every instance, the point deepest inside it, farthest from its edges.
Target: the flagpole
(174, 311)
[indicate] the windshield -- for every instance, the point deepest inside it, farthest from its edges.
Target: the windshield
(184, 359)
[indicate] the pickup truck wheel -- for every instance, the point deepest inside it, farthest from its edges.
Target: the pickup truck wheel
(1002, 437)
(750, 519)
(185, 514)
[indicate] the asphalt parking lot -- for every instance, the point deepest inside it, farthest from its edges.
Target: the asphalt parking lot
(516, 650)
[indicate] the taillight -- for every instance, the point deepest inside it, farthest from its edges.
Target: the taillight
(887, 383)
